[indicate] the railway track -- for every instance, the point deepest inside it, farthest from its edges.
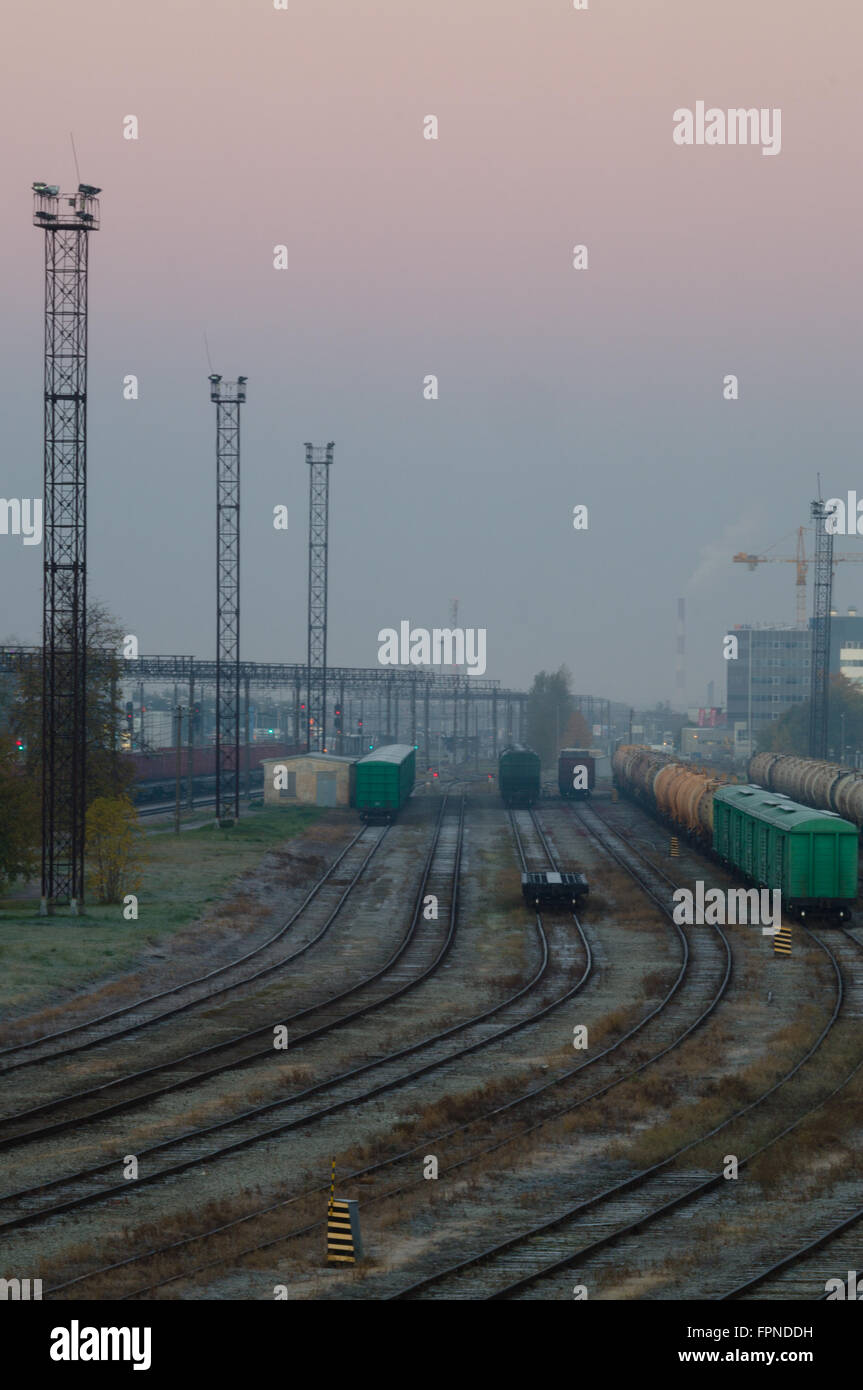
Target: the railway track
(168, 808)
(479, 1030)
(530, 1264)
(327, 895)
(532, 846)
(363, 998)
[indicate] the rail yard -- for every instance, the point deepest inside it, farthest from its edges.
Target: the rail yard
(522, 1099)
(431, 682)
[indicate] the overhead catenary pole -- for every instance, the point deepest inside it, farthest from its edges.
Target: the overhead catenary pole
(67, 222)
(179, 765)
(228, 396)
(319, 459)
(819, 700)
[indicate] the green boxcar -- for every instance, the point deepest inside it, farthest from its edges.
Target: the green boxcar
(777, 843)
(384, 780)
(518, 770)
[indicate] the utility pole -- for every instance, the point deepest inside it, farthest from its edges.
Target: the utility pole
(179, 747)
(820, 690)
(319, 458)
(67, 222)
(228, 396)
(190, 738)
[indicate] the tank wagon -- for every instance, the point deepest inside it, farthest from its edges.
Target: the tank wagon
(828, 786)
(518, 770)
(383, 781)
(764, 836)
(576, 773)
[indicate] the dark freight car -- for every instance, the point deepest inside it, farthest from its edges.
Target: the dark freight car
(576, 772)
(384, 780)
(518, 770)
(554, 889)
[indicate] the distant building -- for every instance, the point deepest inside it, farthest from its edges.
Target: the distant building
(708, 741)
(308, 779)
(846, 645)
(770, 675)
(778, 677)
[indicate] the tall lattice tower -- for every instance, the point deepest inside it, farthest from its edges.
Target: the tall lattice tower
(67, 221)
(820, 688)
(228, 397)
(319, 458)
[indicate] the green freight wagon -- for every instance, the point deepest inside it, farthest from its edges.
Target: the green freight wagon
(518, 771)
(777, 843)
(384, 780)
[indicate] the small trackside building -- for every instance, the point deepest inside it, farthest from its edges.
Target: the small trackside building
(309, 779)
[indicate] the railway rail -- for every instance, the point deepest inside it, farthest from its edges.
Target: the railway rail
(525, 1264)
(526, 829)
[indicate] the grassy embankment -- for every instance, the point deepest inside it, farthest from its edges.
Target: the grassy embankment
(180, 876)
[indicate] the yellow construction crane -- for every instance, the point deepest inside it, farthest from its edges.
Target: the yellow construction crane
(802, 564)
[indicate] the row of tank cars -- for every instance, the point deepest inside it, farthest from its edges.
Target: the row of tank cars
(825, 785)
(761, 834)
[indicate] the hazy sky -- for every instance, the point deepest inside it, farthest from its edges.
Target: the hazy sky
(410, 256)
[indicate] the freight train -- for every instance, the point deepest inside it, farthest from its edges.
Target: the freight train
(576, 773)
(824, 785)
(156, 772)
(383, 781)
(765, 837)
(518, 775)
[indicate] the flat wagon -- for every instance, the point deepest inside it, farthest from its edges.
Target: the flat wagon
(554, 889)
(384, 780)
(518, 775)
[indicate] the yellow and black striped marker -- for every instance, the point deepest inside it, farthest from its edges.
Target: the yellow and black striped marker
(675, 847)
(782, 942)
(344, 1245)
(614, 793)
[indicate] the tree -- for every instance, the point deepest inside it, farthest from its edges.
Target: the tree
(790, 732)
(108, 773)
(113, 848)
(578, 734)
(549, 706)
(20, 820)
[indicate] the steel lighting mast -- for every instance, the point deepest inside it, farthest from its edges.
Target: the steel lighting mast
(820, 690)
(228, 397)
(67, 221)
(319, 458)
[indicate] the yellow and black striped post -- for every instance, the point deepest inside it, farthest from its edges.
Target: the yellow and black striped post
(675, 847)
(782, 941)
(614, 793)
(344, 1244)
